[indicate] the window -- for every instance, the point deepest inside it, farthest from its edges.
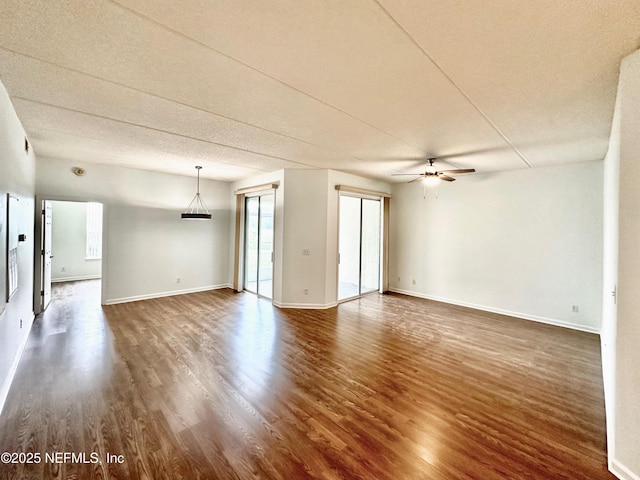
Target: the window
(94, 231)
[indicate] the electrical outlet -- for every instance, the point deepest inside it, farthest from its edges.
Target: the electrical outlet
(398, 279)
(63, 269)
(306, 251)
(306, 291)
(413, 281)
(178, 279)
(575, 308)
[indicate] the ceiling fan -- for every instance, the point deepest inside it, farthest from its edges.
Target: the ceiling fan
(431, 173)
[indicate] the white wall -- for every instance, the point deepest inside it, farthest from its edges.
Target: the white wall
(146, 244)
(17, 176)
(305, 227)
(621, 333)
(69, 244)
(526, 243)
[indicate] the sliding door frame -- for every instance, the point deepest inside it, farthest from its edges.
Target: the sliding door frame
(261, 198)
(385, 201)
(238, 260)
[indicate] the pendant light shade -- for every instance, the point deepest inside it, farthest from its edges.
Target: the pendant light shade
(197, 209)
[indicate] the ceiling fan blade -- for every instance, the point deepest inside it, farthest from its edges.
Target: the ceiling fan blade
(396, 174)
(416, 179)
(446, 178)
(459, 170)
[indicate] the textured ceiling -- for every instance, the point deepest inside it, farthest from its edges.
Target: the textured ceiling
(370, 87)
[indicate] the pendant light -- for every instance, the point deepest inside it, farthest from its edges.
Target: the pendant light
(197, 209)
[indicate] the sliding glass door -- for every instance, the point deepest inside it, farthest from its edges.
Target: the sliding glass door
(370, 246)
(258, 241)
(359, 247)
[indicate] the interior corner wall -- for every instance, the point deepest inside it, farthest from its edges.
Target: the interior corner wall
(148, 250)
(621, 332)
(526, 243)
(69, 244)
(306, 219)
(17, 177)
(305, 228)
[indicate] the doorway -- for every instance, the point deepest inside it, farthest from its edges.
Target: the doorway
(359, 246)
(69, 246)
(258, 243)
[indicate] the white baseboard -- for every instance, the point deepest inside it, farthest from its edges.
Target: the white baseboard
(308, 306)
(135, 298)
(4, 391)
(74, 279)
(620, 471)
(509, 313)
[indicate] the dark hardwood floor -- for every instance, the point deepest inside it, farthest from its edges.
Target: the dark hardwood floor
(218, 385)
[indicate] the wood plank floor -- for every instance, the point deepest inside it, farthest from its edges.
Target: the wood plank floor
(218, 385)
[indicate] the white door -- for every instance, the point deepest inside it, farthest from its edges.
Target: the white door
(46, 254)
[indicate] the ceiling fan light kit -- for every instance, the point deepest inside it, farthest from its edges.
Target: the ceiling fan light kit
(430, 180)
(197, 210)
